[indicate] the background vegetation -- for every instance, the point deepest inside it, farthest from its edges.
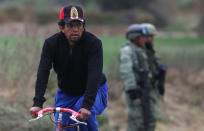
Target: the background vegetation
(24, 25)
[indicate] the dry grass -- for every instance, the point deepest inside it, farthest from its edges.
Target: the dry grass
(183, 114)
(181, 109)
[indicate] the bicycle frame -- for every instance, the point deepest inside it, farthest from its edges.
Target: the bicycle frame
(59, 126)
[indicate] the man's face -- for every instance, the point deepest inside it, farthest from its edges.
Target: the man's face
(142, 40)
(150, 38)
(73, 31)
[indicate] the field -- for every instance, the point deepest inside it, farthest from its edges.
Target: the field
(181, 109)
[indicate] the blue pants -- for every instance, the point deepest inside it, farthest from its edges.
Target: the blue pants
(74, 103)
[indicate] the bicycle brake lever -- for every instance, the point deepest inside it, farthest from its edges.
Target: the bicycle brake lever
(74, 119)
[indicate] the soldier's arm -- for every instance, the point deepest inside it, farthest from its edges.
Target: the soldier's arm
(126, 69)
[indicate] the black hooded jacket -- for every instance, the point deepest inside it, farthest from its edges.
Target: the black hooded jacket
(78, 68)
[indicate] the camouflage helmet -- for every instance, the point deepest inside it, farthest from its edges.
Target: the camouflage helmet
(151, 30)
(134, 31)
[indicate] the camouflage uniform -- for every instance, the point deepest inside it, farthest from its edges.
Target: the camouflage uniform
(153, 60)
(131, 58)
(156, 96)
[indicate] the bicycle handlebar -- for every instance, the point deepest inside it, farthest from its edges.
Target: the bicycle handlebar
(57, 109)
(74, 114)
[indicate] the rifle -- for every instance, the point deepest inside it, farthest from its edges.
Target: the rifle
(160, 77)
(145, 97)
(144, 92)
(160, 82)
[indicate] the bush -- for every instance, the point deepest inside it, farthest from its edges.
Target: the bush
(100, 18)
(15, 118)
(121, 4)
(18, 60)
(10, 13)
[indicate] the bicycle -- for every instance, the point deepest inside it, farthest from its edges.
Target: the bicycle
(60, 127)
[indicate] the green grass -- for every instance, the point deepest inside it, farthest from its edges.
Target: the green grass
(111, 47)
(177, 27)
(179, 41)
(7, 43)
(181, 52)
(180, 46)
(169, 48)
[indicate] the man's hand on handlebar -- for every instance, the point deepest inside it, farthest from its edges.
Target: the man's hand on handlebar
(84, 114)
(34, 110)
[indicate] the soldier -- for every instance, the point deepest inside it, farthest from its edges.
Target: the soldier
(158, 70)
(135, 74)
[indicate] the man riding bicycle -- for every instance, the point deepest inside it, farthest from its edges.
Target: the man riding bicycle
(77, 58)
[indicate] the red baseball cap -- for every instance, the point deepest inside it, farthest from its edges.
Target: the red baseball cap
(72, 12)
